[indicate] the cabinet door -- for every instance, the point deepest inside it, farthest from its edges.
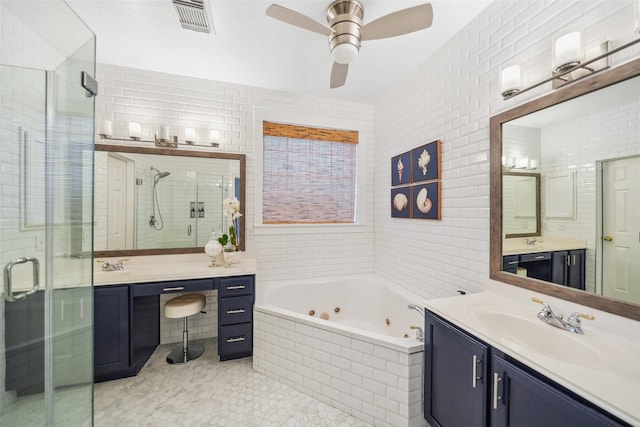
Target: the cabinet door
(455, 388)
(24, 343)
(559, 267)
(519, 399)
(575, 269)
(111, 330)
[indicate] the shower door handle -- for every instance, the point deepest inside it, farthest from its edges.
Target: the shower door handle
(8, 279)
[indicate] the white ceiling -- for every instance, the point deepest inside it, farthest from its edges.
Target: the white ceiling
(252, 49)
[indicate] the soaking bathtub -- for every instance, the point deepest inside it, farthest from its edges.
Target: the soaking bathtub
(346, 341)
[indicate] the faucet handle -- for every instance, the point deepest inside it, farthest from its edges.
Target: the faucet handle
(575, 318)
(544, 304)
(419, 332)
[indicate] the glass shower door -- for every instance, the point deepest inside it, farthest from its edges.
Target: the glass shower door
(46, 180)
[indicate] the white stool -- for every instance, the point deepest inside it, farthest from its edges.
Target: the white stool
(184, 306)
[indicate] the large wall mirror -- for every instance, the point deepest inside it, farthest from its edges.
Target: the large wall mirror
(584, 143)
(161, 201)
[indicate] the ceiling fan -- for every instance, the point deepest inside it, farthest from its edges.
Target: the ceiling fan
(346, 32)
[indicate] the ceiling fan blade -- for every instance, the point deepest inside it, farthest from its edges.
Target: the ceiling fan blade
(299, 20)
(338, 75)
(404, 21)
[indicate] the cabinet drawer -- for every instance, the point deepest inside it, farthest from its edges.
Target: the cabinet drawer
(539, 256)
(235, 339)
(510, 262)
(235, 310)
(157, 288)
(232, 286)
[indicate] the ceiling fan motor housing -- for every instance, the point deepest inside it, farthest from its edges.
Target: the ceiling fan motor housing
(345, 18)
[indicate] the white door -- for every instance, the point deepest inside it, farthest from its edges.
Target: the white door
(621, 229)
(120, 203)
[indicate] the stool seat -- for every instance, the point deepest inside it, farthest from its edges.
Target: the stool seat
(184, 305)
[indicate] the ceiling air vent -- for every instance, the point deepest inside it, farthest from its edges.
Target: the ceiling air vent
(193, 15)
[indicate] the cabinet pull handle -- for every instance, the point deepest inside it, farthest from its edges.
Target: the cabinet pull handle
(540, 257)
(474, 370)
(175, 288)
(574, 260)
(231, 288)
(238, 311)
(496, 382)
(512, 262)
(568, 261)
(237, 339)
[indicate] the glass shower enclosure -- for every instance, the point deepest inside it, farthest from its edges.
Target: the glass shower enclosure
(47, 58)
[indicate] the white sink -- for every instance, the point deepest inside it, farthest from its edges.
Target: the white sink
(536, 336)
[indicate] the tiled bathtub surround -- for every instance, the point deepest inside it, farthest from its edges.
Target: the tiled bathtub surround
(345, 340)
(379, 385)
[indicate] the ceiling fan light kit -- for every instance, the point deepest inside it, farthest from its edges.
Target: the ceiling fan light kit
(345, 29)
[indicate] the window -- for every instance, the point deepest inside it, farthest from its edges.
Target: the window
(309, 175)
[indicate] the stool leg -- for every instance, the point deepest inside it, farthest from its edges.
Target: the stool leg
(186, 352)
(185, 340)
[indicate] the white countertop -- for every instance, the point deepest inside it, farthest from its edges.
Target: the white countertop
(158, 268)
(517, 245)
(603, 365)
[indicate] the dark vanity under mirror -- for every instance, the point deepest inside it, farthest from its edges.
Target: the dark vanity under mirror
(572, 148)
(151, 201)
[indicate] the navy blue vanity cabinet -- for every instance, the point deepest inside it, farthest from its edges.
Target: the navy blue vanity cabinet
(506, 393)
(24, 344)
(112, 355)
(521, 399)
(510, 263)
(235, 316)
(455, 386)
(567, 268)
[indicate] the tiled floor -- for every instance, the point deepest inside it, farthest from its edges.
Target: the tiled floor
(206, 392)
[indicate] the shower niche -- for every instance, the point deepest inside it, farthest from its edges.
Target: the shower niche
(153, 202)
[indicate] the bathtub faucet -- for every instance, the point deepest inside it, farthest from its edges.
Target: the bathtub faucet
(417, 308)
(419, 333)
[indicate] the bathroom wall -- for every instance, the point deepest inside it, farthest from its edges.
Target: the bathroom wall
(452, 98)
(154, 99)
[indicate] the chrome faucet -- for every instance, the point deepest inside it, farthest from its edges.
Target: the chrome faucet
(530, 242)
(419, 333)
(117, 266)
(572, 324)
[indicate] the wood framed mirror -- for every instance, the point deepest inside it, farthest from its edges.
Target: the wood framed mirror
(163, 201)
(579, 98)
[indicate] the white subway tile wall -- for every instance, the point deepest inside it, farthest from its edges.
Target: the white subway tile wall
(379, 385)
(452, 98)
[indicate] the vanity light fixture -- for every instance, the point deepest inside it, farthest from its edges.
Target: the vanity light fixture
(214, 138)
(569, 64)
(106, 129)
(519, 163)
(163, 134)
(567, 52)
(511, 81)
(135, 131)
(189, 135)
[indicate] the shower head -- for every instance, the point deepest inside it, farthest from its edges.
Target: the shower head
(159, 175)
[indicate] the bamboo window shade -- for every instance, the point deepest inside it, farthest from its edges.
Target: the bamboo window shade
(309, 174)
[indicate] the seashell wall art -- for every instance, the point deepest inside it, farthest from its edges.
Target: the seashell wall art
(415, 181)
